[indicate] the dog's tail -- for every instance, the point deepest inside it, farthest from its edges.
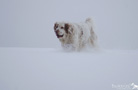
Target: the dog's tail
(93, 37)
(90, 23)
(89, 20)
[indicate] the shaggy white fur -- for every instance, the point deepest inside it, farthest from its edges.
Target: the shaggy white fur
(76, 36)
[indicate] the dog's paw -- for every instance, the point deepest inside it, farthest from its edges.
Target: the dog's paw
(68, 47)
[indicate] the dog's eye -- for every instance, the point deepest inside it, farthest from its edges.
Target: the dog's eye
(62, 27)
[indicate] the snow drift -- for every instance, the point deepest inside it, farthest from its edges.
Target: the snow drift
(53, 69)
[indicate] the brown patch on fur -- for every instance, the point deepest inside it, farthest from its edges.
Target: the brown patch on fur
(81, 32)
(55, 26)
(66, 27)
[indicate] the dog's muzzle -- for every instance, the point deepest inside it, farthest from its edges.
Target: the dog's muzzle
(58, 36)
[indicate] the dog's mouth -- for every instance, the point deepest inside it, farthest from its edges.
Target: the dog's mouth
(59, 36)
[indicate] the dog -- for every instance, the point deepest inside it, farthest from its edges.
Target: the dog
(76, 36)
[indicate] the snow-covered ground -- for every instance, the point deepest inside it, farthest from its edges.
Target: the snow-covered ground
(54, 69)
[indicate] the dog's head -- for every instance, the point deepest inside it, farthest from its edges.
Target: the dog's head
(62, 29)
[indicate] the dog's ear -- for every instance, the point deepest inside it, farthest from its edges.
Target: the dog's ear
(55, 26)
(67, 27)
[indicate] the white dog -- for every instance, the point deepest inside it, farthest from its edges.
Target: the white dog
(76, 36)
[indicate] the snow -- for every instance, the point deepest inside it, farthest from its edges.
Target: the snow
(54, 69)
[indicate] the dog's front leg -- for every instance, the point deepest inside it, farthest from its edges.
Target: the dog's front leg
(76, 44)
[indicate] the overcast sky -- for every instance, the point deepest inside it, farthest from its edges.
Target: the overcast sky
(29, 23)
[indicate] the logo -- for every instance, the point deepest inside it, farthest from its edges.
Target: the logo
(131, 86)
(134, 86)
